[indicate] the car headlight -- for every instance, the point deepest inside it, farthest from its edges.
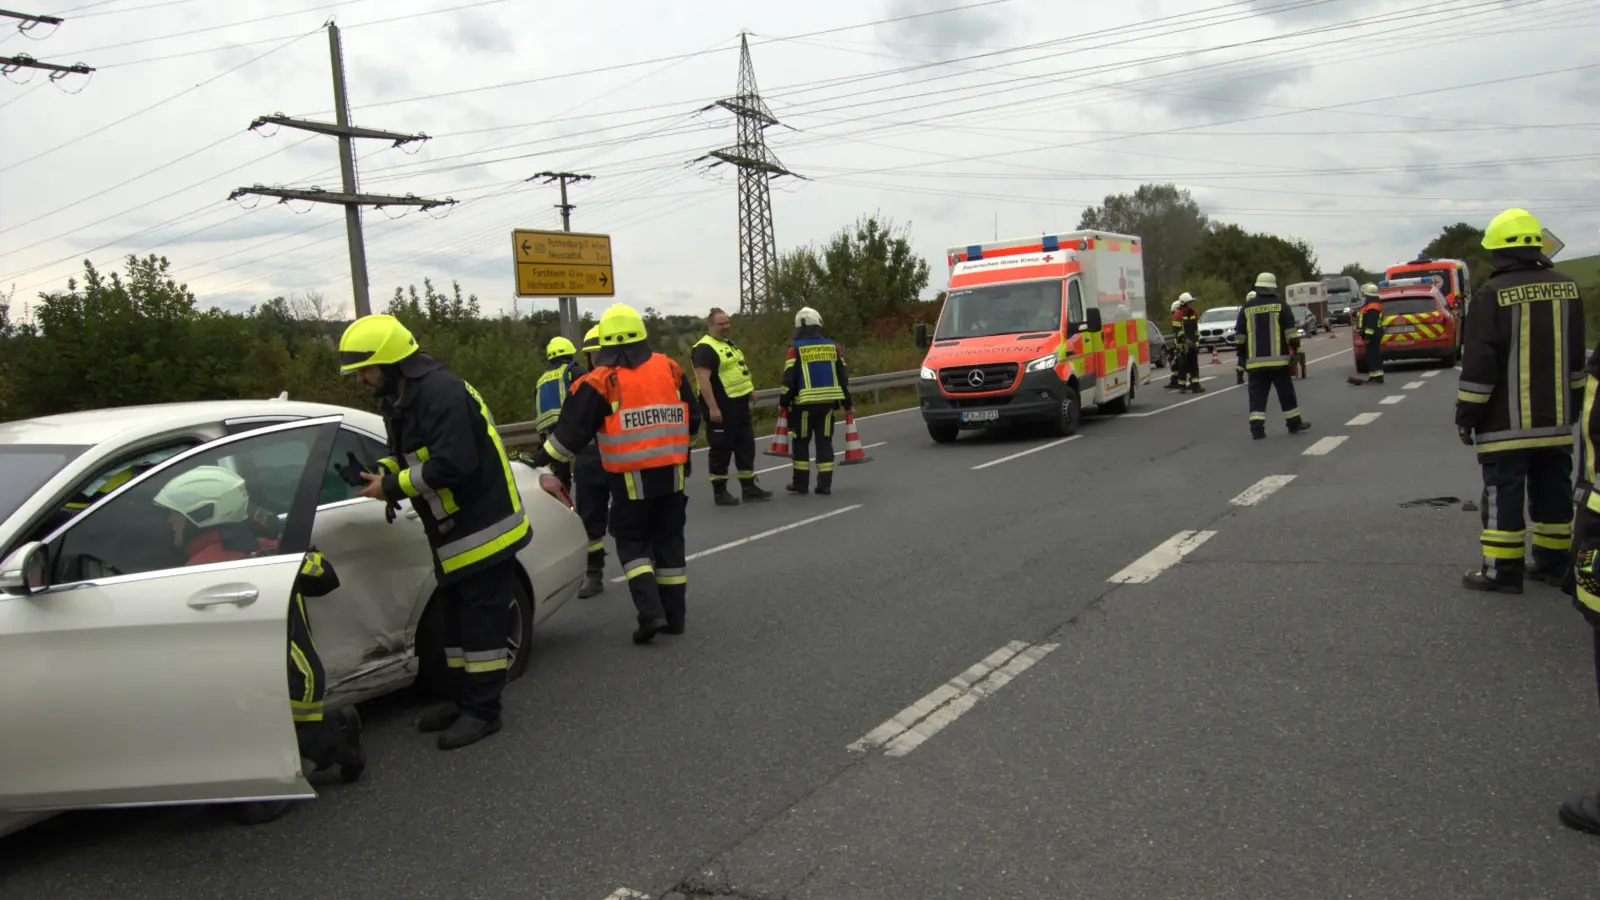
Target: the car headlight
(1041, 364)
(927, 373)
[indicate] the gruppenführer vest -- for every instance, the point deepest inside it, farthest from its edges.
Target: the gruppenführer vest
(648, 427)
(553, 387)
(818, 359)
(731, 370)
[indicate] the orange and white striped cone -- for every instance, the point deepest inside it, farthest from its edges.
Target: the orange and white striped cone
(1215, 360)
(853, 451)
(779, 445)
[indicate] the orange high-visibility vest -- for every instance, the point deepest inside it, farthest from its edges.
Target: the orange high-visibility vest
(649, 423)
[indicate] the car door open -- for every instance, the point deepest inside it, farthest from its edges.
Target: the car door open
(138, 675)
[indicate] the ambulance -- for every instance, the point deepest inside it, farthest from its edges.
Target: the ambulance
(1452, 274)
(1417, 323)
(1033, 330)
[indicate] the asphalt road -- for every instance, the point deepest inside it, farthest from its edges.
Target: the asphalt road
(1305, 704)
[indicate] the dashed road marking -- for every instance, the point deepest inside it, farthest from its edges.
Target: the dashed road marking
(1392, 399)
(1413, 385)
(1261, 490)
(996, 462)
(627, 894)
(1212, 393)
(1430, 373)
(1365, 418)
(1168, 554)
(756, 537)
(911, 727)
(1326, 445)
(790, 464)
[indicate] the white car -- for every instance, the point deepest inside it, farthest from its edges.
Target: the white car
(1216, 325)
(132, 679)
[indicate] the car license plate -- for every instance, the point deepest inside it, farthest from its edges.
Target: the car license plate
(980, 415)
(1400, 329)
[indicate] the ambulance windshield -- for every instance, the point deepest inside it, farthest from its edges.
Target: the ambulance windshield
(1001, 309)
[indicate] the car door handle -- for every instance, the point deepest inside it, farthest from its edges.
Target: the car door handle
(237, 598)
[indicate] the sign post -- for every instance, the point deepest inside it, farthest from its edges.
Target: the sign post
(562, 264)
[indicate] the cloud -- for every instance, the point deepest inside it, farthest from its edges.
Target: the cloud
(1228, 99)
(482, 32)
(947, 32)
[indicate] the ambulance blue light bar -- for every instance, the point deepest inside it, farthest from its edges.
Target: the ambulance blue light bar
(1420, 281)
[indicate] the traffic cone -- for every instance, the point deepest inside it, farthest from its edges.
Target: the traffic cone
(779, 445)
(1214, 360)
(853, 451)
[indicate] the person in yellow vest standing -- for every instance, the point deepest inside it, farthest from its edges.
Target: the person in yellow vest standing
(639, 408)
(552, 390)
(725, 389)
(816, 382)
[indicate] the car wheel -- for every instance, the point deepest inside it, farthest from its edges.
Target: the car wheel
(433, 674)
(1121, 404)
(1070, 414)
(1448, 360)
(943, 434)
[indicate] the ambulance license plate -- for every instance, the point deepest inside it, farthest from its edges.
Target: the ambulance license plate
(1400, 329)
(981, 415)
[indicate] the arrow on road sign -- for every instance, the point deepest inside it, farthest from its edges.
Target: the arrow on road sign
(603, 279)
(526, 247)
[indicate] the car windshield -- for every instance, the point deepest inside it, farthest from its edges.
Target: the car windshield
(1405, 306)
(1001, 309)
(1220, 314)
(27, 468)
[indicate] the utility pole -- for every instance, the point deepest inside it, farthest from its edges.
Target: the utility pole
(350, 197)
(568, 306)
(26, 23)
(757, 167)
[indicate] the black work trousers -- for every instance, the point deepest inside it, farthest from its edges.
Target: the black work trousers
(1541, 480)
(476, 615)
(1262, 382)
(1374, 357)
(650, 543)
(1190, 376)
(813, 420)
(319, 739)
(593, 503)
(733, 438)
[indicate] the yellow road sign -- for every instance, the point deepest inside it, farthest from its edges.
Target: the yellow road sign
(562, 264)
(1552, 244)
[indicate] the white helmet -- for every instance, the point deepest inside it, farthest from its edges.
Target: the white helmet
(1267, 280)
(1185, 297)
(1176, 304)
(1250, 296)
(807, 316)
(207, 496)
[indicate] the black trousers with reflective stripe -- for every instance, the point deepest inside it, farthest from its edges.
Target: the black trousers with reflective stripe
(1261, 384)
(1191, 366)
(1541, 480)
(650, 545)
(318, 738)
(593, 502)
(477, 611)
(1374, 356)
(813, 420)
(733, 438)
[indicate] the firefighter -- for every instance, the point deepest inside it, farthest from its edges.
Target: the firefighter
(725, 389)
(816, 381)
(640, 408)
(594, 492)
(209, 510)
(1519, 393)
(1175, 364)
(447, 459)
(1370, 321)
(1582, 812)
(553, 387)
(1263, 336)
(1186, 328)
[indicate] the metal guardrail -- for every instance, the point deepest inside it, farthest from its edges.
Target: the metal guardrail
(516, 433)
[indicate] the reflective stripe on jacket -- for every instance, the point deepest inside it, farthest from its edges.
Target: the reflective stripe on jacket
(1263, 332)
(648, 427)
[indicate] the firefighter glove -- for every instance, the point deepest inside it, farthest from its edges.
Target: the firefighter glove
(1466, 434)
(1586, 580)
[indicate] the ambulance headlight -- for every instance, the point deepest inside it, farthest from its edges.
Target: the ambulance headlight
(1042, 364)
(927, 374)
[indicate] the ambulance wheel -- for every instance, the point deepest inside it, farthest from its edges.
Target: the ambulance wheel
(1070, 415)
(943, 434)
(1121, 404)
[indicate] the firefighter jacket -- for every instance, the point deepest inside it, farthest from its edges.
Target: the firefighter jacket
(730, 375)
(447, 459)
(640, 409)
(553, 387)
(1263, 332)
(1372, 320)
(1186, 324)
(1522, 357)
(815, 372)
(586, 467)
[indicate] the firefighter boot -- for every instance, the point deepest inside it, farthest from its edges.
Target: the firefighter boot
(824, 483)
(593, 584)
(1582, 813)
(1299, 427)
(801, 483)
(468, 730)
(753, 491)
(649, 627)
(439, 718)
(1547, 572)
(1197, 388)
(1477, 581)
(721, 495)
(352, 755)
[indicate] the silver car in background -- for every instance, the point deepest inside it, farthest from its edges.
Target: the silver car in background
(133, 679)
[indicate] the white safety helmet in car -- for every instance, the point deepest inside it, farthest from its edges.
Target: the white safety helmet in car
(807, 316)
(207, 496)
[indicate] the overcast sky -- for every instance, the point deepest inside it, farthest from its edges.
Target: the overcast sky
(1363, 126)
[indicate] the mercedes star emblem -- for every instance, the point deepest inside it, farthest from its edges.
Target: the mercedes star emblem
(976, 378)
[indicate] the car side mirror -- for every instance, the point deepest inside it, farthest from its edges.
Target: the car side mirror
(921, 331)
(1094, 323)
(24, 571)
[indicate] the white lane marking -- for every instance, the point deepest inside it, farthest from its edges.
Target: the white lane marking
(909, 728)
(1326, 445)
(789, 464)
(1209, 394)
(1392, 399)
(1413, 385)
(1365, 418)
(627, 894)
(996, 462)
(1261, 490)
(1168, 554)
(1430, 373)
(756, 537)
